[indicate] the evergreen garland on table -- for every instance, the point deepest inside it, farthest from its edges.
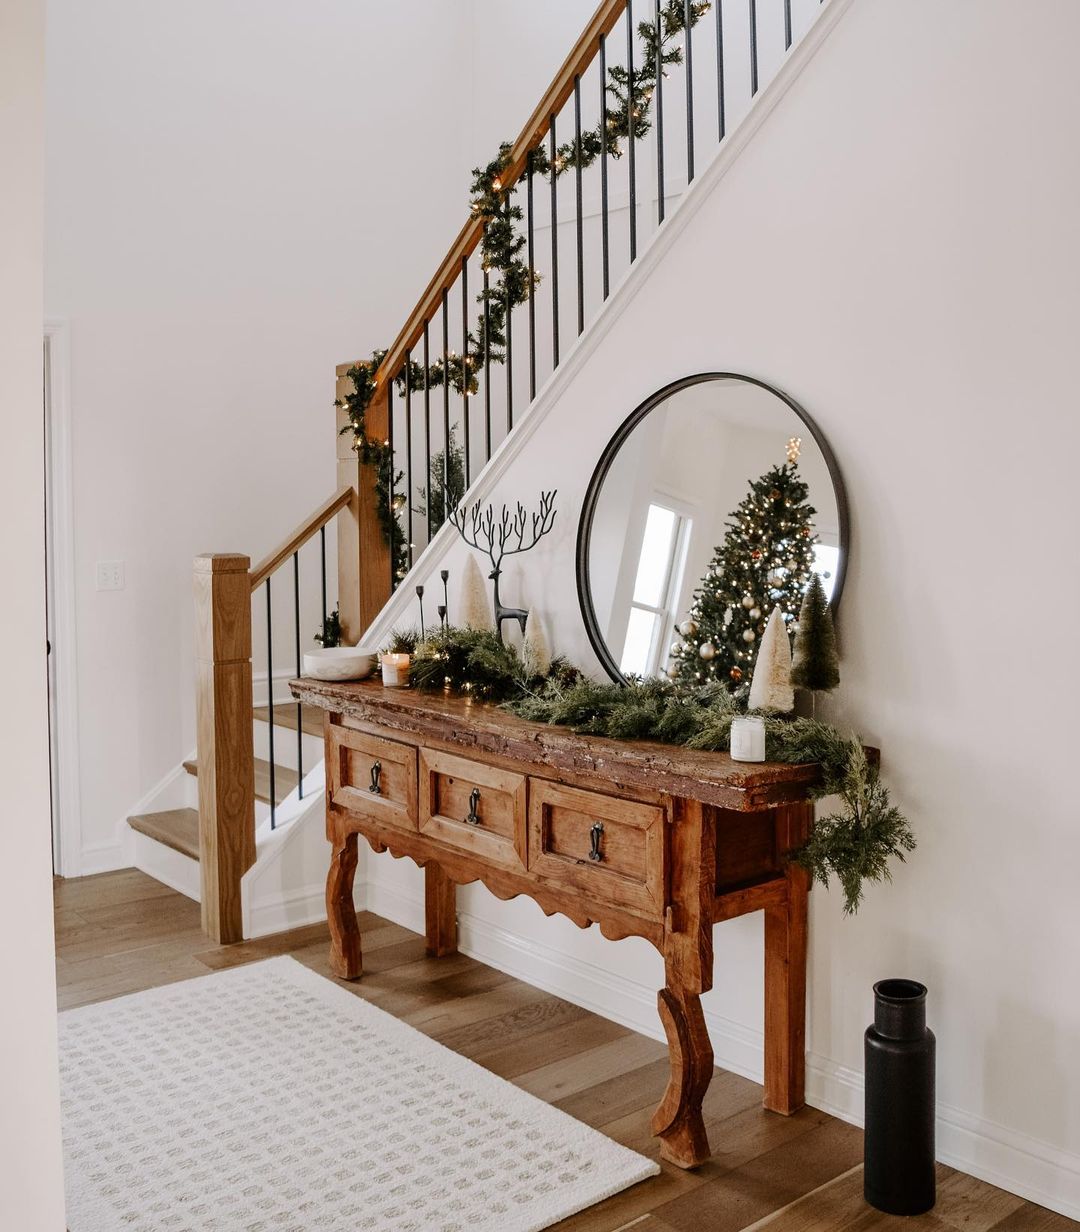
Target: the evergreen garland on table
(765, 561)
(509, 281)
(855, 844)
(476, 663)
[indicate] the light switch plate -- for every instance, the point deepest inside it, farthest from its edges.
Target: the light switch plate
(110, 575)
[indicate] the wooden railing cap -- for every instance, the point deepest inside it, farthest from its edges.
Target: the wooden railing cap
(222, 562)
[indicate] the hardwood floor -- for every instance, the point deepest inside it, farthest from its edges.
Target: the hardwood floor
(122, 932)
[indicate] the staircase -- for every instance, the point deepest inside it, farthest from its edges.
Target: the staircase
(611, 152)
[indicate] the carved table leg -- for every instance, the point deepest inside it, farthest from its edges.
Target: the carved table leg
(688, 960)
(785, 976)
(440, 911)
(678, 1119)
(345, 955)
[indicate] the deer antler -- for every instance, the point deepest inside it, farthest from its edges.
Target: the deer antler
(542, 522)
(480, 531)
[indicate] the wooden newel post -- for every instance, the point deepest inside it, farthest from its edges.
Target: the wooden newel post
(363, 553)
(226, 755)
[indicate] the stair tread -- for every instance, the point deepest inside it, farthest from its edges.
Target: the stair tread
(285, 779)
(175, 828)
(285, 716)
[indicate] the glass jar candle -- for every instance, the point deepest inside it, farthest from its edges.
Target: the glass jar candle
(395, 670)
(748, 738)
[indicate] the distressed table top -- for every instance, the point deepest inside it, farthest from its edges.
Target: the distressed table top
(712, 778)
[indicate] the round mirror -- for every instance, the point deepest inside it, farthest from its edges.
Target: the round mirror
(713, 504)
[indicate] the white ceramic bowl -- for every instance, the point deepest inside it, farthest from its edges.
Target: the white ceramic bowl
(339, 663)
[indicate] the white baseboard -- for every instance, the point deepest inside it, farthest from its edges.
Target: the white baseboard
(103, 857)
(169, 792)
(171, 868)
(293, 910)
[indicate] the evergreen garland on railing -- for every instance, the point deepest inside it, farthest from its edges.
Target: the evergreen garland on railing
(510, 280)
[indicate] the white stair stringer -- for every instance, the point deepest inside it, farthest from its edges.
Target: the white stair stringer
(286, 886)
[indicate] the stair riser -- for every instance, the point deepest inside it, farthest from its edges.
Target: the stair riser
(285, 753)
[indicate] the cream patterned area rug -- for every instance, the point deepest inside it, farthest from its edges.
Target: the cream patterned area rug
(269, 1099)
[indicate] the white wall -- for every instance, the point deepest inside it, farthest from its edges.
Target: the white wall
(31, 1182)
(897, 249)
(240, 196)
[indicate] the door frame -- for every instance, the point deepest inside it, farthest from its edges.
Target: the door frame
(64, 715)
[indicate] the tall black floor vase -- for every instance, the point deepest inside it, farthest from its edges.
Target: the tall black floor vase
(898, 1176)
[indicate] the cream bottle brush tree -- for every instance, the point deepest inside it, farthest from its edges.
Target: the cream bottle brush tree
(771, 688)
(474, 602)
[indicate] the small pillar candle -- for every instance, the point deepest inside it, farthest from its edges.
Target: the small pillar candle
(748, 738)
(395, 670)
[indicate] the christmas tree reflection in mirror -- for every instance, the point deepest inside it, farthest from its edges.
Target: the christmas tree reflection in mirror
(712, 505)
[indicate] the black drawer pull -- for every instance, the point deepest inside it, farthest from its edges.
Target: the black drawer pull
(376, 772)
(595, 835)
(471, 817)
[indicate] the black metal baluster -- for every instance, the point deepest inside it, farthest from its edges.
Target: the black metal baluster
(659, 115)
(465, 364)
(446, 402)
(787, 24)
(720, 110)
(532, 266)
(689, 54)
(322, 555)
(299, 708)
(509, 344)
(408, 453)
(604, 252)
(554, 247)
(270, 702)
(427, 429)
(630, 128)
(393, 512)
(753, 48)
(487, 363)
(580, 225)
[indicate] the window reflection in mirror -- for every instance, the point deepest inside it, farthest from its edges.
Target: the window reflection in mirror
(661, 562)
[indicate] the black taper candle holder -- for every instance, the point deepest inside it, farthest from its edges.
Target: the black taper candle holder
(420, 597)
(445, 575)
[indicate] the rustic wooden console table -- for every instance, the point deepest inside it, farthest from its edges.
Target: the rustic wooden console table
(645, 840)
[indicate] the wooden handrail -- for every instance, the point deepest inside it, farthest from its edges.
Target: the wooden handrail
(561, 88)
(301, 535)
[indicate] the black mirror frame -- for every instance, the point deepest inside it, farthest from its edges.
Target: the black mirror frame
(596, 483)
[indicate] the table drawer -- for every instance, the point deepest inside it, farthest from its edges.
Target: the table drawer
(373, 776)
(474, 807)
(598, 844)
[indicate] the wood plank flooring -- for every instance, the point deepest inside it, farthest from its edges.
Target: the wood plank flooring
(122, 932)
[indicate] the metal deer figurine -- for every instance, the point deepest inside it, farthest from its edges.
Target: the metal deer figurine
(507, 537)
